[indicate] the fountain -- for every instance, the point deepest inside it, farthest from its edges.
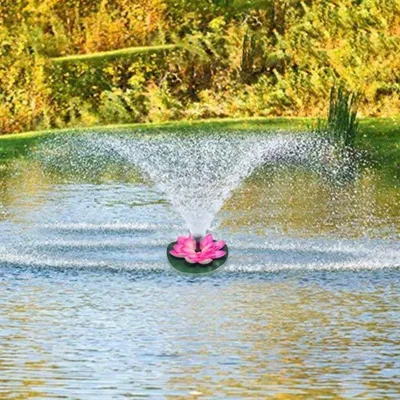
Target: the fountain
(196, 172)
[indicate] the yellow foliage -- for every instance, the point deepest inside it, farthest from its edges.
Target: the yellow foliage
(240, 58)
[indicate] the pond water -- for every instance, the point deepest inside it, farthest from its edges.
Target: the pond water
(307, 305)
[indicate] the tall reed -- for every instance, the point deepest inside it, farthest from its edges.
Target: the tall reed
(341, 123)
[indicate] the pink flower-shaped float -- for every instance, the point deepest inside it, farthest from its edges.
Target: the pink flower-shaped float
(203, 252)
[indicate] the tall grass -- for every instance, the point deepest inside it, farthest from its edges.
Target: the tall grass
(340, 128)
(341, 124)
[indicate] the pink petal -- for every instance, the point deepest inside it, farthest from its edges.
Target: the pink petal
(206, 261)
(181, 239)
(190, 261)
(176, 254)
(186, 241)
(178, 247)
(219, 244)
(206, 254)
(191, 244)
(219, 254)
(189, 250)
(207, 248)
(208, 239)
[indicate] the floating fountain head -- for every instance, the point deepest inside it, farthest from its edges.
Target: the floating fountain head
(197, 255)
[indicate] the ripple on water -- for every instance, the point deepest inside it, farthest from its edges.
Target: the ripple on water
(306, 306)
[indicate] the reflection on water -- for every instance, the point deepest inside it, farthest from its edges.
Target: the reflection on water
(305, 335)
(306, 307)
(297, 202)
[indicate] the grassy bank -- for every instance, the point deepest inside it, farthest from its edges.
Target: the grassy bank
(14, 144)
(379, 136)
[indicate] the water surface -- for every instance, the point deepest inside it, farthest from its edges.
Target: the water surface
(306, 307)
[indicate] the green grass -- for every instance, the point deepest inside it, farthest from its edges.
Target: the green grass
(255, 123)
(107, 55)
(379, 136)
(12, 145)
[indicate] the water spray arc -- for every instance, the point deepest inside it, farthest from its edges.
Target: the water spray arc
(195, 172)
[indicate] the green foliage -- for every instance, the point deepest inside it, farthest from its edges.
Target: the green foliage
(154, 60)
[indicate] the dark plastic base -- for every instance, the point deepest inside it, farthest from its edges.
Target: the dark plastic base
(181, 265)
